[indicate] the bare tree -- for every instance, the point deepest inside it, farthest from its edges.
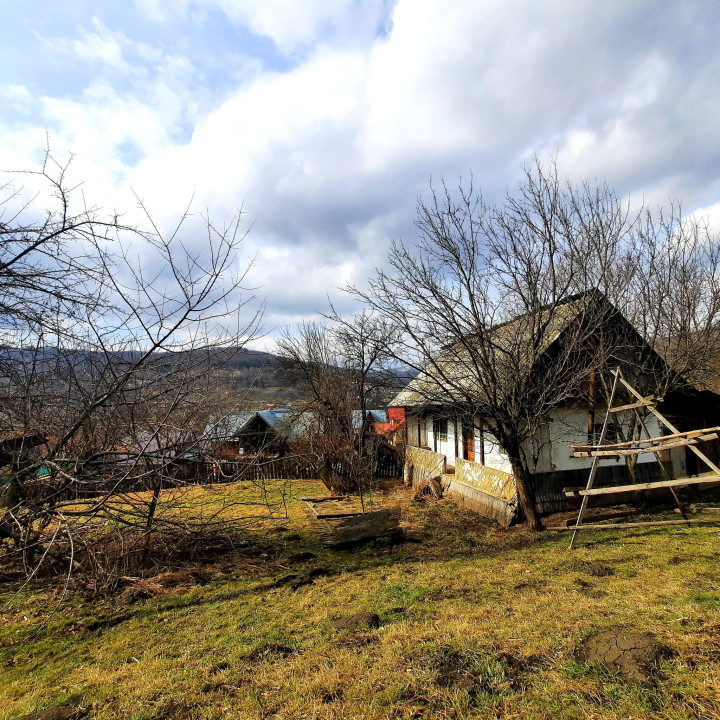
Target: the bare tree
(112, 336)
(341, 365)
(504, 308)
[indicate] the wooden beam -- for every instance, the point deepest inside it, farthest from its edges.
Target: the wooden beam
(593, 469)
(638, 451)
(645, 402)
(610, 515)
(689, 439)
(622, 526)
(713, 432)
(695, 509)
(327, 498)
(668, 424)
(700, 480)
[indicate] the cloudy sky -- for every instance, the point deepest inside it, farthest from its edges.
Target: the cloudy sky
(324, 119)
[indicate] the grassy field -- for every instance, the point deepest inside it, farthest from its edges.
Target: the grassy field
(476, 622)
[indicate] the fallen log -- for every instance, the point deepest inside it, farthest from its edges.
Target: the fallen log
(610, 515)
(346, 527)
(622, 526)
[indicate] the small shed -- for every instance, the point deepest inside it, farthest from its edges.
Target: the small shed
(248, 433)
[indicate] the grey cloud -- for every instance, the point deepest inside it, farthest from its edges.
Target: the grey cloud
(622, 91)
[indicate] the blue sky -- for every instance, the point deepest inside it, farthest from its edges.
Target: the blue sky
(324, 119)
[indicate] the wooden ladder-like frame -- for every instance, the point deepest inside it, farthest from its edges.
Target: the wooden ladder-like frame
(635, 447)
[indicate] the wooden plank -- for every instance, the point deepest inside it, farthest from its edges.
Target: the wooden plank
(310, 512)
(350, 530)
(713, 432)
(610, 515)
(593, 469)
(609, 452)
(646, 402)
(669, 425)
(622, 526)
(649, 449)
(695, 509)
(679, 482)
(366, 519)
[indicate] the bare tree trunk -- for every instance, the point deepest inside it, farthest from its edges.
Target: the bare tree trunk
(325, 470)
(151, 517)
(527, 501)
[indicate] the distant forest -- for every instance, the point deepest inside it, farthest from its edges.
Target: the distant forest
(259, 379)
(252, 378)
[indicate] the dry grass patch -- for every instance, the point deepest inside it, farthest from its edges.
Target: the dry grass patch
(474, 621)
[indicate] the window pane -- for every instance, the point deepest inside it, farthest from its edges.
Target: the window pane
(440, 429)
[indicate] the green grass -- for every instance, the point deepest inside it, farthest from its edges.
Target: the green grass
(476, 622)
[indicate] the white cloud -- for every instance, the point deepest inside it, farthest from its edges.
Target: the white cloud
(293, 23)
(101, 45)
(161, 10)
(290, 24)
(709, 214)
(17, 95)
(329, 153)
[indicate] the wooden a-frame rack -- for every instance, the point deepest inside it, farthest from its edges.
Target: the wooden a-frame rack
(649, 444)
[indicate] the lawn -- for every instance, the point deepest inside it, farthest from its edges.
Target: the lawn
(475, 622)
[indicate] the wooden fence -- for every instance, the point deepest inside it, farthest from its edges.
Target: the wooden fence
(198, 472)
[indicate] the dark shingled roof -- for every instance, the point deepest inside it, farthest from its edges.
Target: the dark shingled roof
(453, 371)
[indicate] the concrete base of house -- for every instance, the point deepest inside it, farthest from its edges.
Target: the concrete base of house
(472, 498)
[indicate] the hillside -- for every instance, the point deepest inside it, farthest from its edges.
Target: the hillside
(473, 622)
(254, 378)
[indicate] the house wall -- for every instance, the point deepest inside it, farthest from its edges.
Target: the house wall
(549, 452)
(556, 468)
(569, 426)
(412, 424)
(494, 456)
(551, 460)
(444, 447)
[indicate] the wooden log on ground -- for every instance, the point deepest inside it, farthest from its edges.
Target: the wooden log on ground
(351, 530)
(695, 509)
(610, 515)
(429, 486)
(623, 526)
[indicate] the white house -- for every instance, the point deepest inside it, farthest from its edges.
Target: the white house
(475, 465)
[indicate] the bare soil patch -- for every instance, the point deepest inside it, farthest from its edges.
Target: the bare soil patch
(632, 655)
(594, 569)
(358, 620)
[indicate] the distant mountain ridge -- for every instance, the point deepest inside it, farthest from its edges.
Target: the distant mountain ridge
(256, 376)
(232, 358)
